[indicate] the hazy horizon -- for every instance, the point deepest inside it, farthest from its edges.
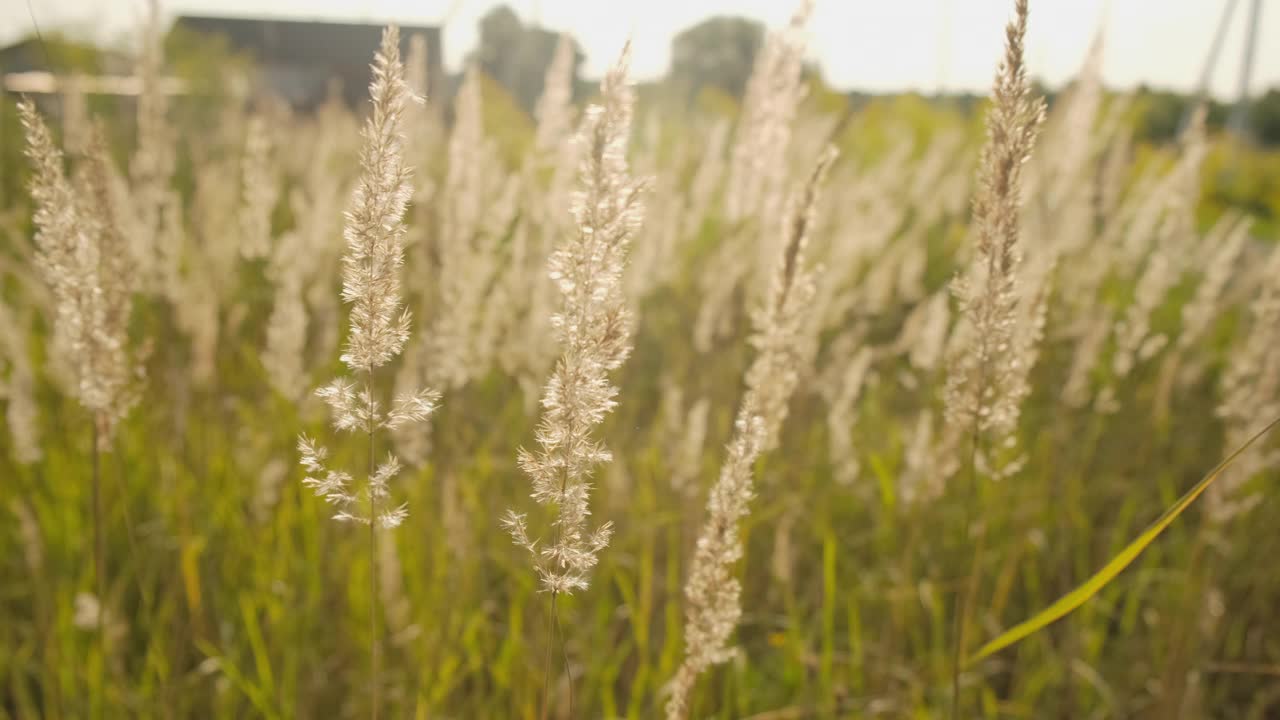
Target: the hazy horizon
(911, 45)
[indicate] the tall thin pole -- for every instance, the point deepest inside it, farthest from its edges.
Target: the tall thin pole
(1239, 122)
(1210, 62)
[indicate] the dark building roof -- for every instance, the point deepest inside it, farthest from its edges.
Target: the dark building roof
(299, 58)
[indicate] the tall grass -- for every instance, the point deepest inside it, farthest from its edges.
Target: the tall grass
(793, 446)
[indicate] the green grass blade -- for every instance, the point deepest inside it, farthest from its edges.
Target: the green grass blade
(1116, 565)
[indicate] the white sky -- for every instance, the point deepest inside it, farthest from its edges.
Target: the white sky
(860, 44)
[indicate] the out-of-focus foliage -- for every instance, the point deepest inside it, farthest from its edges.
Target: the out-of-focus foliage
(717, 52)
(517, 55)
(232, 596)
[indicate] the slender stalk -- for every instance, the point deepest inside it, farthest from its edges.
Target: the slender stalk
(964, 605)
(553, 622)
(546, 673)
(373, 556)
(961, 619)
(99, 568)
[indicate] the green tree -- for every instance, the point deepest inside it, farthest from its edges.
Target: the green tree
(517, 55)
(1264, 118)
(717, 52)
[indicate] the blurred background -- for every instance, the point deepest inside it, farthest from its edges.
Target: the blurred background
(232, 132)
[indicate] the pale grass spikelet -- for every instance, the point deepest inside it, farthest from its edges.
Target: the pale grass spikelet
(842, 415)
(554, 111)
(379, 327)
(525, 296)
(282, 357)
(1250, 396)
(18, 389)
(1219, 266)
(919, 480)
(755, 179)
(466, 249)
(1076, 392)
(713, 596)
(259, 191)
(294, 261)
(1133, 331)
(266, 495)
(978, 391)
(773, 94)
(153, 163)
(687, 463)
(1057, 176)
(685, 432)
(924, 333)
(999, 333)
(300, 265)
(413, 443)
(780, 322)
(90, 615)
(82, 258)
(375, 231)
(708, 177)
(454, 517)
(592, 326)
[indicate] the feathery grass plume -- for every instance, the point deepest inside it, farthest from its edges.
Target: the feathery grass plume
(756, 176)
(977, 391)
(283, 355)
(18, 389)
(685, 433)
(302, 259)
(259, 191)
(757, 166)
(80, 256)
(1162, 208)
(986, 380)
(713, 596)
(379, 326)
(1174, 237)
(554, 111)
(593, 327)
(466, 249)
(708, 177)
(1077, 391)
(1250, 395)
(528, 347)
(842, 411)
(424, 135)
(924, 334)
(1219, 263)
(1058, 176)
(153, 162)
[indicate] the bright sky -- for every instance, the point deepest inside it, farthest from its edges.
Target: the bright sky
(860, 44)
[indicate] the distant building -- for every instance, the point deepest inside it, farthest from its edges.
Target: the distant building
(297, 60)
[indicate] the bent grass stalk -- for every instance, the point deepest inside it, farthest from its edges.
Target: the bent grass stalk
(1121, 560)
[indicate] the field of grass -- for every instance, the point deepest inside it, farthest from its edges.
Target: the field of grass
(947, 463)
